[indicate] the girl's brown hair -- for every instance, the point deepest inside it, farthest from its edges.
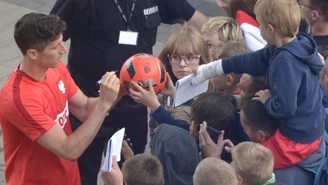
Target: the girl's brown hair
(184, 39)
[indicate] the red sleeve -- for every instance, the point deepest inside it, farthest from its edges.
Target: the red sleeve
(28, 115)
(71, 87)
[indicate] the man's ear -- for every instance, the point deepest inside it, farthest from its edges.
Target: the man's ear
(315, 15)
(229, 80)
(32, 54)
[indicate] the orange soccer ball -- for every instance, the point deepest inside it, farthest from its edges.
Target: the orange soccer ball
(142, 68)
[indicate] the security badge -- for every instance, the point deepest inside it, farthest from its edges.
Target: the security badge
(128, 38)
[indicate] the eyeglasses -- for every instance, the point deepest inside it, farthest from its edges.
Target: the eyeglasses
(300, 3)
(189, 59)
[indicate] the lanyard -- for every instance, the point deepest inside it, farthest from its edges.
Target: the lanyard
(125, 19)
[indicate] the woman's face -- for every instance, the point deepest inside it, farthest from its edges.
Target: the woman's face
(183, 64)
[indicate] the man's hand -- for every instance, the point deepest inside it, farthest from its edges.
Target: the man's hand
(148, 98)
(263, 96)
(109, 88)
(115, 176)
(169, 88)
(207, 146)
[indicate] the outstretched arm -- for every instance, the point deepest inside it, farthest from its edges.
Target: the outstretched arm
(253, 63)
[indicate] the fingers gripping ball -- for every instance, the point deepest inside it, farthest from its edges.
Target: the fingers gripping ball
(143, 68)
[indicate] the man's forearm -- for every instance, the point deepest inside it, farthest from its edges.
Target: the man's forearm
(81, 138)
(197, 20)
(91, 103)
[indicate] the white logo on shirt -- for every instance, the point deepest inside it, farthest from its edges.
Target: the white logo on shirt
(61, 86)
(62, 117)
(151, 10)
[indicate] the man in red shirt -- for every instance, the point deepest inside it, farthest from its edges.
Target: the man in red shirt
(35, 101)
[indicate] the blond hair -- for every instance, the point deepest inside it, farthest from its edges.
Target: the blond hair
(226, 27)
(184, 39)
(212, 171)
(181, 113)
(227, 50)
(143, 169)
(283, 15)
(253, 162)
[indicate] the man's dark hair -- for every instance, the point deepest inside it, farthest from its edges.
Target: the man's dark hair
(36, 30)
(256, 116)
(218, 110)
(258, 83)
(321, 6)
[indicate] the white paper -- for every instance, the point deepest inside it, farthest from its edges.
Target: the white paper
(106, 167)
(128, 38)
(185, 91)
(114, 147)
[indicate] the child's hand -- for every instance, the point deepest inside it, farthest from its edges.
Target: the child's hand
(207, 146)
(169, 88)
(263, 96)
(207, 71)
(148, 98)
(126, 150)
(115, 176)
(228, 145)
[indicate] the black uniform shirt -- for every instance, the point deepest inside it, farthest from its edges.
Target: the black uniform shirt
(322, 43)
(94, 26)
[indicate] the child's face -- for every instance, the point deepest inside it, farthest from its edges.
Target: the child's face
(184, 64)
(219, 82)
(266, 33)
(212, 40)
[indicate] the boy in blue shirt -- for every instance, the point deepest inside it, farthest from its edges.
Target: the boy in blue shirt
(292, 65)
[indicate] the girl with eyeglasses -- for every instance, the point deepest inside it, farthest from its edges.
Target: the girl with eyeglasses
(182, 53)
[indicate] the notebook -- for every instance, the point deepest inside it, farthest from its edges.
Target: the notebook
(114, 147)
(185, 91)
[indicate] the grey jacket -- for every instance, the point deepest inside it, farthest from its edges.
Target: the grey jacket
(177, 150)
